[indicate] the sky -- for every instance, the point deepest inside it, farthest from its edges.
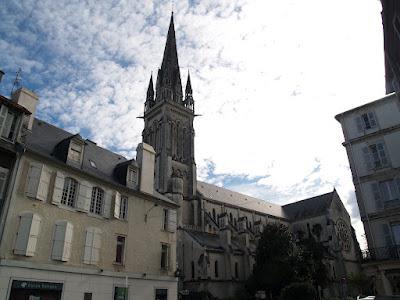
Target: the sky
(268, 78)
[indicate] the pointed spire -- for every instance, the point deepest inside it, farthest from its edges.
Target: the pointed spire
(150, 89)
(169, 86)
(150, 95)
(170, 53)
(188, 89)
(189, 102)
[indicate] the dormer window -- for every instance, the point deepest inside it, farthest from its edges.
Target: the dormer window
(75, 152)
(8, 123)
(132, 177)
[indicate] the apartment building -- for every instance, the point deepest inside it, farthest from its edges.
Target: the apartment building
(372, 142)
(82, 222)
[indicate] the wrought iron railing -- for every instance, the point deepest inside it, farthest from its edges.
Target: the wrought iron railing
(382, 253)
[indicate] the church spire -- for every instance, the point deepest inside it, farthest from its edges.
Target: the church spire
(169, 86)
(189, 102)
(150, 94)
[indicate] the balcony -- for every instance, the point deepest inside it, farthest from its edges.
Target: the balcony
(380, 254)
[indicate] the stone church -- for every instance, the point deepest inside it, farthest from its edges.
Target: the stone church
(218, 228)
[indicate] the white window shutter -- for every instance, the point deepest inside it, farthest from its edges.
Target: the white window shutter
(58, 240)
(172, 220)
(33, 236)
(117, 205)
(87, 256)
(3, 182)
(84, 197)
(367, 157)
(32, 183)
(377, 195)
(107, 203)
(96, 246)
(58, 188)
(44, 184)
(28, 231)
(68, 241)
(359, 124)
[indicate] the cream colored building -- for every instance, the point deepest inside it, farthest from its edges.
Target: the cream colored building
(372, 142)
(85, 223)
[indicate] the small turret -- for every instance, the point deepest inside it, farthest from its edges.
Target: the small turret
(189, 102)
(150, 95)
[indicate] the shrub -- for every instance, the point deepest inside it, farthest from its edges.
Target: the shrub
(299, 291)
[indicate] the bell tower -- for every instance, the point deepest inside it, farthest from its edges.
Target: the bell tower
(168, 118)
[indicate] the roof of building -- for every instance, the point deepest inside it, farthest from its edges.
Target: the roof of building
(45, 137)
(213, 192)
(13, 104)
(338, 117)
(309, 208)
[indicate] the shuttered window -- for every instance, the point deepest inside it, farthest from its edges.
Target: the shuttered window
(366, 121)
(92, 246)
(27, 235)
(69, 192)
(123, 213)
(8, 123)
(97, 201)
(38, 181)
(375, 156)
(62, 240)
(164, 256)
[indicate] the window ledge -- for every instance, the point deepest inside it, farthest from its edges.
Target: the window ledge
(94, 215)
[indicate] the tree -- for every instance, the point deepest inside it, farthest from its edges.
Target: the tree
(275, 257)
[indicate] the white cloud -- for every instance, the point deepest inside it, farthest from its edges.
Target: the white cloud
(268, 75)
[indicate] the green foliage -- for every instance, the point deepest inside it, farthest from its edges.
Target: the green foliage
(299, 291)
(275, 256)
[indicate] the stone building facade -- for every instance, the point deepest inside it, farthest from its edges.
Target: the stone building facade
(218, 229)
(80, 222)
(372, 142)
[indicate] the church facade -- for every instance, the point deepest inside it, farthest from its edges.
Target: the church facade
(218, 229)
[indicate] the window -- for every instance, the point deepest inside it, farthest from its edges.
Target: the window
(216, 269)
(119, 257)
(375, 156)
(87, 296)
(164, 257)
(366, 121)
(165, 219)
(96, 203)
(213, 214)
(92, 246)
(38, 181)
(120, 293)
(131, 177)
(75, 152)
(396, 233)
(192, 269)
(62, 241)
(387, 193)
(161, 294)
(230, 218)
(3, 183)
(123, 213)
(69, 192)
(8, 123)
(236, 270)
(28, 231)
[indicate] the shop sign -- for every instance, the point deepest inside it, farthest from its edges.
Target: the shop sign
(37, 285)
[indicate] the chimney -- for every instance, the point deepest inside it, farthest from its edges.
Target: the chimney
(145, 156)
(29, 100)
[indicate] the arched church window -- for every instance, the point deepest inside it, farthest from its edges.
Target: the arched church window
(192, 269)
(216, 269)
(213, 213)
(230, 218)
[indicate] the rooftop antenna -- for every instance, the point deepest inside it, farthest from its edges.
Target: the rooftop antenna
(17, 81)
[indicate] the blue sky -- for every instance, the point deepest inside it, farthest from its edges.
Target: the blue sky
(268, 78)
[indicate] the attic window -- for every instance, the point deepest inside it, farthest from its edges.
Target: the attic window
(93, 164)
(75, 152)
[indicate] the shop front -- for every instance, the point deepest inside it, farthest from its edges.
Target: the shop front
(35, 290)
